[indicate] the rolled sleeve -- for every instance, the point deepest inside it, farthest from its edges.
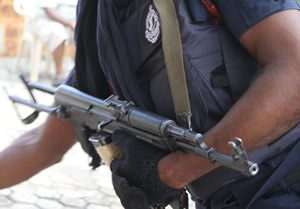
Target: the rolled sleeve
(240, 15)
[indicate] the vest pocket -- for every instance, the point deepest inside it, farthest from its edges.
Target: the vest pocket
(218, 99)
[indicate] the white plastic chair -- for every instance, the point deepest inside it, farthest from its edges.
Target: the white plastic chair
(26, 8)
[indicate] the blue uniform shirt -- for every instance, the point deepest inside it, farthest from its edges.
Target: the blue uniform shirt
(240, 15)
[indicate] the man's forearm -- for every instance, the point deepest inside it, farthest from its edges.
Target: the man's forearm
(268, 109)
(258, 118)
(37, 149)
(13, 171)
(56, 16)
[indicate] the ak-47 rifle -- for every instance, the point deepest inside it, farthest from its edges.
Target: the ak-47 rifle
(106, 116)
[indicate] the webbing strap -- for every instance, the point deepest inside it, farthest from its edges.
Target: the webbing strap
(171, 43)
(291, 161)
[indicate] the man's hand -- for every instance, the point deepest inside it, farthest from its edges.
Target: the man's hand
(135, 178)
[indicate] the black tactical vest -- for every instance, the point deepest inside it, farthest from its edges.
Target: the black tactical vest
(218, 72)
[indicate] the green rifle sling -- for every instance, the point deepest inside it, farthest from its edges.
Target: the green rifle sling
(171, 43)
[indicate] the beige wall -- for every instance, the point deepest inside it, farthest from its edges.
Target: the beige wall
(11, 27)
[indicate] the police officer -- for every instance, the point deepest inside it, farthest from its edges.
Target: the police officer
(243, 81)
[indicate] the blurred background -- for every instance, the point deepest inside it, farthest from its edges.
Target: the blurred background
(22, 45)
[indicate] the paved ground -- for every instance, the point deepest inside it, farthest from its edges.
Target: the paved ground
(69, 184)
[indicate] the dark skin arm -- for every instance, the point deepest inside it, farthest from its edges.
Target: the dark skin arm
(269, 108)
(36, 150)
(54, 15)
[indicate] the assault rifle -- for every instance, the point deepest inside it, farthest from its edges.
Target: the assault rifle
(106, 116)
